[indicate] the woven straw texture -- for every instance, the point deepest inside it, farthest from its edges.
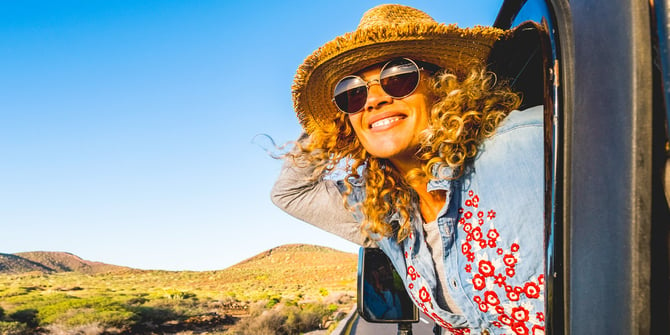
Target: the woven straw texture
(384, 32)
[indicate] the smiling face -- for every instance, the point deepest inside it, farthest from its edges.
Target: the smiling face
(391, 128)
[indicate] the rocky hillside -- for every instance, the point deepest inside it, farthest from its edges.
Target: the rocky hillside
(13, 264)
(51, 262)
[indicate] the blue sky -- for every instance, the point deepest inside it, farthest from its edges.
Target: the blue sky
(126, 127)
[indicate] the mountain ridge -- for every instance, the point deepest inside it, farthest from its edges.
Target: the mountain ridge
(48, 262)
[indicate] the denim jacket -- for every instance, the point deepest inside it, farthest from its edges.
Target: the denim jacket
(492, 228)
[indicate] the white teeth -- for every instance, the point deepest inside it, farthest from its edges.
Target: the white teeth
(384, 122)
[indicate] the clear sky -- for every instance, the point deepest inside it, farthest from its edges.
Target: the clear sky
(126, 126)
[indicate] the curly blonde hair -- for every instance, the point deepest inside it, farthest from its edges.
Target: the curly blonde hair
(466, 110)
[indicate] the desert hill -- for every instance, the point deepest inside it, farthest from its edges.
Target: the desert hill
(66, 291)
(13, 264)
(285, 263)
(294, 267)
(51, 262)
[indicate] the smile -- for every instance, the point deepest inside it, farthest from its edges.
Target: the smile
(385, 122)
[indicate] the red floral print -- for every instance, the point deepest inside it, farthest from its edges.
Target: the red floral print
(513, 296)
(492, 263)
(411, 271)
(424, 295)
(486, 268)
(520, 314)
(465, 248)
(479, 282)
(532, 290)
(491, 298)
(509, 260)
(500, 280)
(520, 328)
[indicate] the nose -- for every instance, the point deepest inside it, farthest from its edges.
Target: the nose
(376, 97)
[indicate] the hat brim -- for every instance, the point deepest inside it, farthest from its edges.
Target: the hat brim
(446, 46)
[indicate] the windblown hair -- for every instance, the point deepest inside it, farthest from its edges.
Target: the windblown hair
(465, 111)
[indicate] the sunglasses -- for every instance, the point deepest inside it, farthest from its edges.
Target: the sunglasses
(398, 78)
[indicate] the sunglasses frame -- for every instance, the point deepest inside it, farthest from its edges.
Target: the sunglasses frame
(378, 80)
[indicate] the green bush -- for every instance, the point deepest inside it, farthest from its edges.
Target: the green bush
(26, 316)
(155, 315)
(13, 328)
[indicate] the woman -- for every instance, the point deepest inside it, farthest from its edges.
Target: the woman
(410, 145)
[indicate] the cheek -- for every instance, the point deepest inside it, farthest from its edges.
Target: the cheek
(355, 122)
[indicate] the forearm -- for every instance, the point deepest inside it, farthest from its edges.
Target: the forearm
(318, 202)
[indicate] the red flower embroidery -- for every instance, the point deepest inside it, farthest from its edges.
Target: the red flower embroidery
(491, 298)
(491, 215)
(510, 272)
(538, 330)
(532, 290)
(468, 268)
(500, 309)
(520, 314)
(478, 282)
(513, 296)
(471, 257)
(520, 328)
(540, 316)
(474, 202)
(411, 272)
(477, 234)
(493, 234)
(505, 319)
(486, 268)
(492, 243)
(482, 244)
(540, 279)
(515, 247)
(499, 251)
(465, 248)
(483, 307)
(467, 228)
(509, 260)
(424, 295)
(500, 280)
(477, 299)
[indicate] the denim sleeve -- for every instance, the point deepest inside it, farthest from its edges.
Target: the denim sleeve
(317, 202)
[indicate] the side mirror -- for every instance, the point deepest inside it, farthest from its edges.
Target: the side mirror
(381, 295)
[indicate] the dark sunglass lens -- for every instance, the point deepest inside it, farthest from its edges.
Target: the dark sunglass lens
(350, 94)
(399, 78)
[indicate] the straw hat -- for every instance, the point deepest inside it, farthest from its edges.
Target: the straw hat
(384, 32)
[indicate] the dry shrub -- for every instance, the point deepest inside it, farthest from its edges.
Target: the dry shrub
(282, 319)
